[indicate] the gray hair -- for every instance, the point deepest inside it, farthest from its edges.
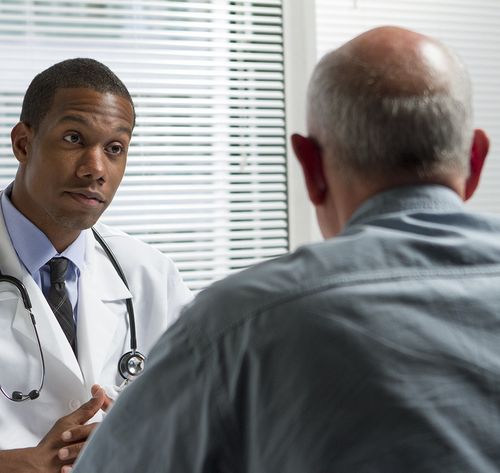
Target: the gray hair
(372, 131)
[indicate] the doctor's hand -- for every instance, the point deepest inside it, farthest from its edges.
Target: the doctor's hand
(59, 448)
(108, 402)
(75, 437)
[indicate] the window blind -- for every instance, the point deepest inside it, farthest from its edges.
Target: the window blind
(471, 28)
(206, 174)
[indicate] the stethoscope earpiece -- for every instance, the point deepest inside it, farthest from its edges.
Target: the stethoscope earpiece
(18, 396)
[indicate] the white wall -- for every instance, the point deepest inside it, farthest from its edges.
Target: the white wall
(300, 58)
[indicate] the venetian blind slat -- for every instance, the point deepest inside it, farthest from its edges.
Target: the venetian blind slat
(206, 175)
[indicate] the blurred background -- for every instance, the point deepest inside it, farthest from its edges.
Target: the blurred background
(218, 87)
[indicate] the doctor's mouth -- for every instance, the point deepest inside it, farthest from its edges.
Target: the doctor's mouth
(87, 198)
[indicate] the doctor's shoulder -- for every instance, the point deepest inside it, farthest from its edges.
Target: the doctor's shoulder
(131, 252)
(145, 265)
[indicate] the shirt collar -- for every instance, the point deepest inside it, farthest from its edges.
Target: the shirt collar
(409, 198)
(32, 246)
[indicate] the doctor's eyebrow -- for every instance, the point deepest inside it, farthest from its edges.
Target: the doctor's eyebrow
(84, 121)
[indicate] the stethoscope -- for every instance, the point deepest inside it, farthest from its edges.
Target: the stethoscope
(131, 363)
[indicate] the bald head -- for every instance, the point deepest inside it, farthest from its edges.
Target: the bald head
(392, 100)
(398, 62)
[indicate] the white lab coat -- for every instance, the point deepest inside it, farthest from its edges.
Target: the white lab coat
(102, 331)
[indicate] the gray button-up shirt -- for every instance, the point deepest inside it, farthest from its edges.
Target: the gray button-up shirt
(377, 351)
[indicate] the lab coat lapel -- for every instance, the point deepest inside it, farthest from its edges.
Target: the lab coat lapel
(52, 338)
(100, 286)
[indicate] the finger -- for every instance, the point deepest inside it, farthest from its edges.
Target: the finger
(89, 409)
(70, 452)
(78, 434)
(67, 469)
(108, 402)
(95, 388)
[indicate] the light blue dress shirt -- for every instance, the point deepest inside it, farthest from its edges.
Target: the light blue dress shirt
(34, 250)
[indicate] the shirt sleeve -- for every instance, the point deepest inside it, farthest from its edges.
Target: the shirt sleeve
(168, 420)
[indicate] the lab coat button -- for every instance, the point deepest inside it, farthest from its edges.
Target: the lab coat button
(74, 404)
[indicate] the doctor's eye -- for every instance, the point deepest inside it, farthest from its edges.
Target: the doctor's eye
(114, 149)
(74, 138)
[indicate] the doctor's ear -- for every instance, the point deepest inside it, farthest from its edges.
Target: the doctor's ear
(21, 136)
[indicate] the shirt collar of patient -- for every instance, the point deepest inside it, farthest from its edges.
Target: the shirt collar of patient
(32, 246)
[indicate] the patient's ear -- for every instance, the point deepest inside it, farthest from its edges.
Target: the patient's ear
(479, 151)
(309, 155)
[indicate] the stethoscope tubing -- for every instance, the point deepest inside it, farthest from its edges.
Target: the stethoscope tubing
(18, 396)
(133, 357)
(130, 307)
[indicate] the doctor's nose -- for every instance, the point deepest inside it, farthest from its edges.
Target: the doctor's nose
(92, 164)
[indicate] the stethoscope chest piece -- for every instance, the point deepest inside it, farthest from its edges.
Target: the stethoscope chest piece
(131, 365)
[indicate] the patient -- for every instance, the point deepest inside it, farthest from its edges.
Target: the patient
(377, 350)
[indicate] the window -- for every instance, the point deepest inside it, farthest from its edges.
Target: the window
(206, 176)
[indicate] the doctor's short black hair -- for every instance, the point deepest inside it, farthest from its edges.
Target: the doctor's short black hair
(71, 73)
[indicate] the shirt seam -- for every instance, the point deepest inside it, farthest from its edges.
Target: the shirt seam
(338, 281)
(363, 218)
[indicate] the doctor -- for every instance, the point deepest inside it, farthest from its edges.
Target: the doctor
(71, 143)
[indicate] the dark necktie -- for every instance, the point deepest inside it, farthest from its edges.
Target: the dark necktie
(58, 298)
